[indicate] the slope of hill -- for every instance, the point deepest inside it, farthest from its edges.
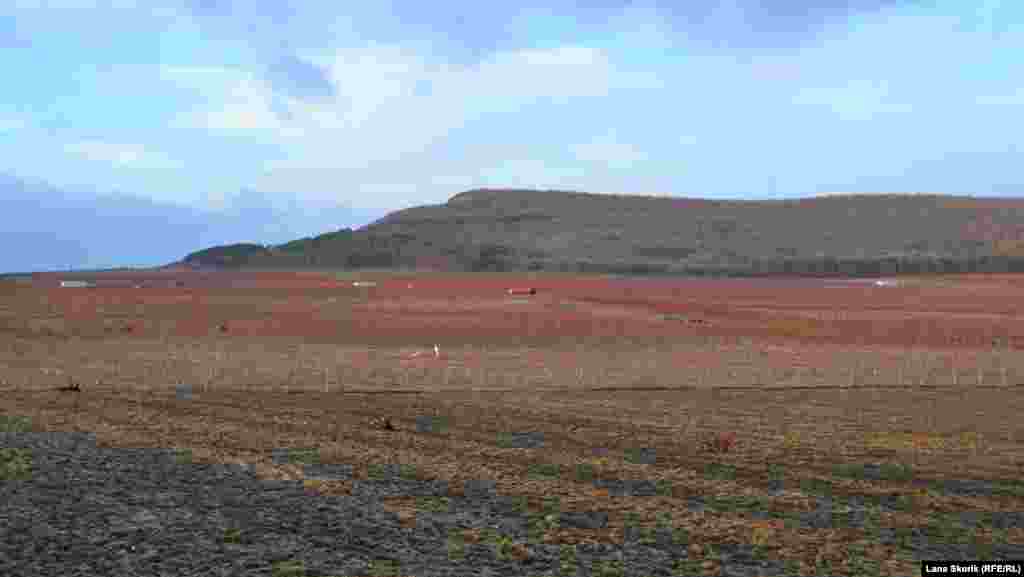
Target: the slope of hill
(489, 229)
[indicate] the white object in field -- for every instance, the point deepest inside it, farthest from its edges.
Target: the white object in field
(364, 283)
(74, 284)
(884, 283)
(437, 351)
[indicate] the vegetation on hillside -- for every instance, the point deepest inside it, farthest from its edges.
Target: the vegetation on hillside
(311, 243)
(510, 230)
(226, 255)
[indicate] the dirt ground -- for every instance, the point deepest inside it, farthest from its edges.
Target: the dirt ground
(814, 377)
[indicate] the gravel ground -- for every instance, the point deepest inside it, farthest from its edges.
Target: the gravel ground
(93, 511)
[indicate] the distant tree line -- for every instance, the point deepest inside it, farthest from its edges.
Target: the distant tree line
(800, 267)
(343, 250)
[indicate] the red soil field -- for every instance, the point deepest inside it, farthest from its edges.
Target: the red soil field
(973, 311)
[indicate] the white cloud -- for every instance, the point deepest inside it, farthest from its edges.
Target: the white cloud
(403, 125)
(138, 8)
(1009, 98)
(857, 100)
(907, 60)
(12, 123)
(376, 93)
(368, 81)
(378, 125)
(608, 151)
(526, 173)
(239, 100)
(243, 115)
(560, 73)
(376, 87)
(121, 155)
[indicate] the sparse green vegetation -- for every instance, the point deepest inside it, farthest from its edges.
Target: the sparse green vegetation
(687, 567)
(638, 456)
(233, 535)
(376, 471)
(15, 464)
(456, 545)
(610, 568)
(814, 486)
(720, 471)
(1010, 488)
(737, 503)
(433, 504)
(290, 568)
(647, 536)
(518, 503)
(886, 471)
(585, 472)
(503, 547)
(539, 524)
(947, 528)
(408, 471)
(183, 456)
(309, 456)
(544, 470)
(489, 535)
(551, 505)
(384, 568)
(568, 564)
(903, 503)
(860, 563)
(904, 537)
(680, 536)
(15, 424)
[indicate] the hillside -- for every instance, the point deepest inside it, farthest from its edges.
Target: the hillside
(510, 230)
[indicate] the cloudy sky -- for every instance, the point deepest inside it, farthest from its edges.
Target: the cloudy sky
(382, 105)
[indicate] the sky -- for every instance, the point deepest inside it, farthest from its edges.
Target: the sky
(364, 108)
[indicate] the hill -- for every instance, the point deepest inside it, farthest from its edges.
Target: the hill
(510, 230)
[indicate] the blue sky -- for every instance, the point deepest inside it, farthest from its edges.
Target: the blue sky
(382, 105)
